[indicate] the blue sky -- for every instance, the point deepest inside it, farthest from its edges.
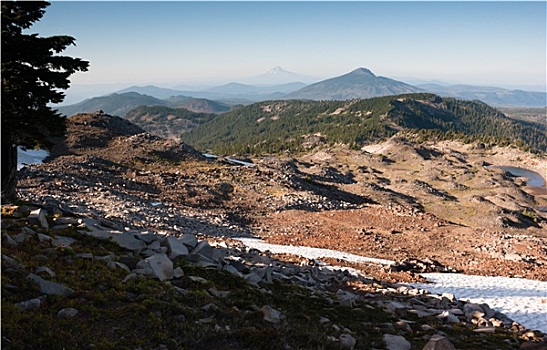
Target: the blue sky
(166, 43)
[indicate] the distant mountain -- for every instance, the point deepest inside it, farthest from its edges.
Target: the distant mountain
(491, 95)
(117, 104)
(297, 125)
(278, 76)
(233, 88)
(360, 83)
(121, 103)
(254, 92)
(230, 94)
(151, 90)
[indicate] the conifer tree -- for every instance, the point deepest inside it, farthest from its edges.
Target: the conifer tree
(33, 75)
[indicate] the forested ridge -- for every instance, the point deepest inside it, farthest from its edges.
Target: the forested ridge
(276, 126)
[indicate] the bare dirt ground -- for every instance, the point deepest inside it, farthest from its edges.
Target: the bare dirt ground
(439, 201)
(394, 200)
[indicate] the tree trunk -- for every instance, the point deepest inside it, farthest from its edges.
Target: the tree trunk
(9, 171)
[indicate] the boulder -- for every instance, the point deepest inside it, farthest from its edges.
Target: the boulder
(62, 241)
(189, 240)
(38, 217)
(396, 342)
(270, 314)
(449, 317)
(204, 248)
(161, 266)
(50, 288)
(347, 341)
(128, 241)
(176, 247)
(8, 241)
(28, 305)
(44, 269)
(68, 312)
(438, 342)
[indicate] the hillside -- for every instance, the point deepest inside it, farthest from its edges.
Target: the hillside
(275, 126)
(114, 104)
(494, 96)
(131, 241)
(167, 122)
(198, 105)
(360, 83)
(117, 140)
(121, 103)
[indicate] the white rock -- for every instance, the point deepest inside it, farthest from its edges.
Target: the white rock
(38, 216)
(449, 296)
(449, 317)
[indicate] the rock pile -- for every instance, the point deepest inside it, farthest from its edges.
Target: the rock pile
(420, 266)
(154, 254)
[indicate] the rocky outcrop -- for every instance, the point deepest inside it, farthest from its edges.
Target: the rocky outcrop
(154, 255)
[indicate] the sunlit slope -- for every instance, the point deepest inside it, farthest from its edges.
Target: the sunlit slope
(276, 126)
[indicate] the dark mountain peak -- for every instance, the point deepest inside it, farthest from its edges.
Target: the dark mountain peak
(359, 83)
(362, 71)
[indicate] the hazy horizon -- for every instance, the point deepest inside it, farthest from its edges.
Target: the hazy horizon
(500, 44)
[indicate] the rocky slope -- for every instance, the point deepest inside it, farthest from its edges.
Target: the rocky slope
(136, 234)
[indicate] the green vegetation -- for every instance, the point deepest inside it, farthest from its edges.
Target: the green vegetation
(293, 126)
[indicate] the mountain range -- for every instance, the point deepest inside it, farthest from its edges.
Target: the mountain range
(120, 104)
(494, 96)
(360, 83)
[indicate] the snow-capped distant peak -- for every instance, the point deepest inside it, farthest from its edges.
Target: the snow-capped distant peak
(278, 75)
(277, 71)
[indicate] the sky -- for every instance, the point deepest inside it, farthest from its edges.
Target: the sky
(168, 43)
